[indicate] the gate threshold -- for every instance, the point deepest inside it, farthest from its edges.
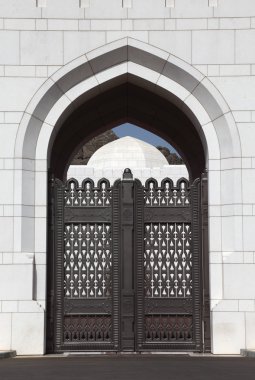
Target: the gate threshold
(146, 353)
(125, 353)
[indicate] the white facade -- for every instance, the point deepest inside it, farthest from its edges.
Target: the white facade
(209, 50)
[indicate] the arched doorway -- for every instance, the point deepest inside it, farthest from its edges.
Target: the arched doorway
(126, 102)
(149, 68)
(153, 294)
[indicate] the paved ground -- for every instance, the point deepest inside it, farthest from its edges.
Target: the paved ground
(128, 368)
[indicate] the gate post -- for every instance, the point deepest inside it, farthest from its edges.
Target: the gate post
(50, 266)
(127, 262)
(205, 263)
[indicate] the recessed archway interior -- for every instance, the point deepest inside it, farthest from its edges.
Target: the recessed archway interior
(121, 135)
(124, 103)
(91, 114)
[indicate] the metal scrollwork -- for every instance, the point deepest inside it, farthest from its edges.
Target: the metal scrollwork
(87, 260)
(87, 328)
(87, 195)
(167, 260)
(168, 328)
(167, 195)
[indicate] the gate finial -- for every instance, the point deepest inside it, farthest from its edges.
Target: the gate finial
(127, 174)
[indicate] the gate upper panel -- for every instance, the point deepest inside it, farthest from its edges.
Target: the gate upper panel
(167, 195)
(167, 239)
(87, 195)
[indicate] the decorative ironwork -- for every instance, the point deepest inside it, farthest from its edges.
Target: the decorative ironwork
(101, 233)
(167, 195)
(87, 328)
(167, 306)
(87, 260)
(168, 260)
(168, 328)
(83, 279)
(91, 306)
(87, 195)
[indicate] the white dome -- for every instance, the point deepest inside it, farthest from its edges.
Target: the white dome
(127, 152)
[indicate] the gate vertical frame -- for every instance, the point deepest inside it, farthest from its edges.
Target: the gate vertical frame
(116, 261)
(58, 260)
(138, 262)
(50, 312)
(127, 288)
(197, 262)
(205, 264)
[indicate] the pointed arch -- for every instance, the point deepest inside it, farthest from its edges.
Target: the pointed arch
(126, 63)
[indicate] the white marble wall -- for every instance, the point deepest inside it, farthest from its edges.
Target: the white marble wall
(83, 171)
(36, 39)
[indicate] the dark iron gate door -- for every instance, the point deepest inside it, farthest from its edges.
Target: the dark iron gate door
(169, 303)
(86, 289)
(126, 266)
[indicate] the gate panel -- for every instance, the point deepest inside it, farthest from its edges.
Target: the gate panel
(87, 318)
(169, 300)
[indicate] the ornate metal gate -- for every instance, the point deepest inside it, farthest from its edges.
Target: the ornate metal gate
(168, 297)
(126, 267)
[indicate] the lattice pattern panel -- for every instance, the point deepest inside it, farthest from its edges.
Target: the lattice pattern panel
(168, 260)
(87, 260)
(87, 328)
(87, 195)
(167, 194)
(167, 328)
